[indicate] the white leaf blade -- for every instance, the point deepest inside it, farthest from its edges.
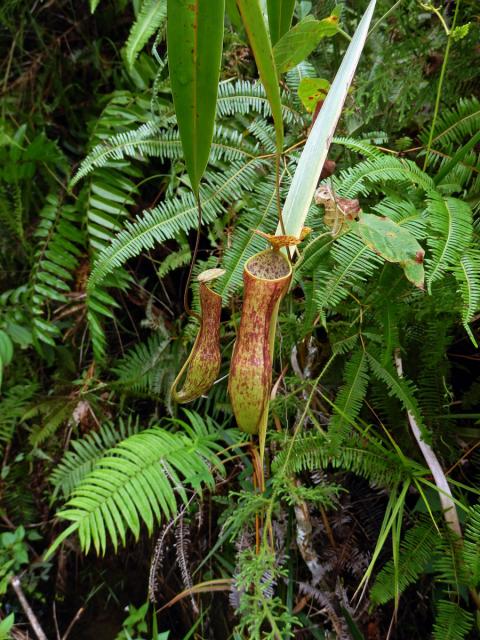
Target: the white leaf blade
(316, 148)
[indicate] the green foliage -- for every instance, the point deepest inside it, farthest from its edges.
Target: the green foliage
(451, 223)
(151, 17)
(416, 551)
(92, 329)
(58, 251)
(452, 622)
(146, 368)
(349, 399)
(195, 39)
(84, 453)
(139, 480)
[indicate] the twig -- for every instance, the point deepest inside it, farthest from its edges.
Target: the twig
(32, 618)
(74, 621)
(444, 492)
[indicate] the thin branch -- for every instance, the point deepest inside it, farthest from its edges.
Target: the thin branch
(32, 618)
(444, 492)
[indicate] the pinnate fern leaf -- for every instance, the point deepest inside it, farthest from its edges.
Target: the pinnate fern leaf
(450, 220)
(365, 175)
(151, 140)
(85, 452)
(467, 275)
(400, 388)
(354, 263)
(416, 551)
(151, 17)
(139, 480)
(349, 400)
(172, 216)
(452, 621)
(372, 462)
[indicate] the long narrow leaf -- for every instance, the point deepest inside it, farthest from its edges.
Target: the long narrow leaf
(194, 39)
(315, 152)
(280, 14)
(259, 39)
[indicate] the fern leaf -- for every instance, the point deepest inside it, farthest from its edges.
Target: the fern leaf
(358, 145)
(471, 548)
(355, 262)
(245, 242)
(175, 260)
(361, 178)
(467, 275)
(452, 622)
(170, 217)
(372, 462)
(416, 551)
(404, 213)
(451, 222)
(138, 481)
(150, 18)
(243, 97)
(60, 243)
(400, 388)
(151, 140)
(85, 452)
(143, 368)
(454, 125)
(349, 400)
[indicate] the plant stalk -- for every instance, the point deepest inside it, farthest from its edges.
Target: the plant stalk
(444, 492)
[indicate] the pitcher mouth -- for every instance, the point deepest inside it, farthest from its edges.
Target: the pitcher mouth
(268, 265)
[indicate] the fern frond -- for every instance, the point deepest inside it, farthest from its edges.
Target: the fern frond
(152, 140)
(85, 452)
(151, 17)
(467, 275)
(452, 622)
(358, 145)
(171, 216)
(374, 463)
(451, 222)
(178, 258)
(138, 481)
(400, 388)
(144, 367)
(13, 405)
(303, 70)
(416, 551)
(404, 213)
(471, 547)
(349, 399)
(60, 243)
(455, 125)
(243, 97)
(354, 263)
(361, 178)
(55, 413)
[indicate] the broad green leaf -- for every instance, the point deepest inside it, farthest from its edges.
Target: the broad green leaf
(394, 243)
(6, 625)
(194, 40)
(301, 40)
(314, 154)
(311, 91)
(150, 18)
(93, 5)
(259, 40)
(280, 14)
